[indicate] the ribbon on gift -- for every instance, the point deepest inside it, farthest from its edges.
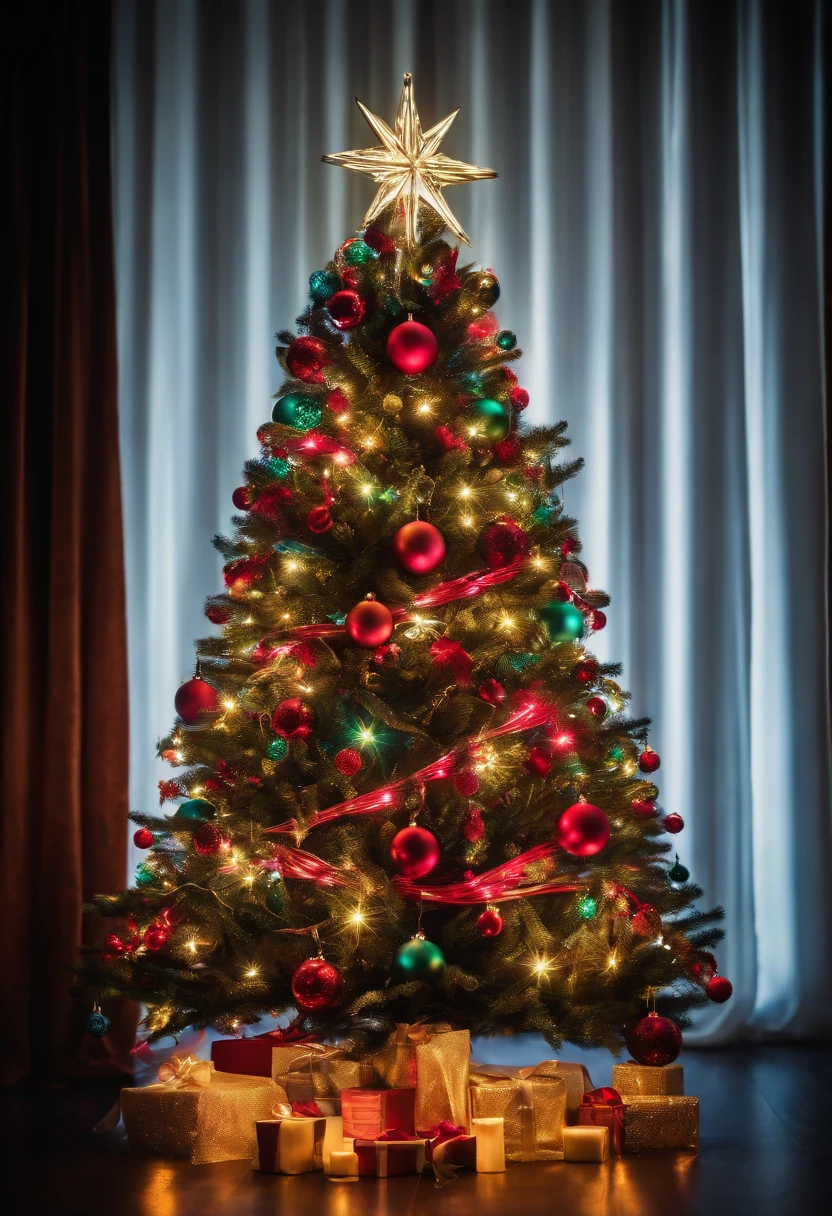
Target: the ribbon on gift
(441, 1132)
(398, 1133)
(297, 1110)
(184, 1072)
(519, 1078)
(396, 1062)
(522, 1082)
(604, 1107)
(312, 1071)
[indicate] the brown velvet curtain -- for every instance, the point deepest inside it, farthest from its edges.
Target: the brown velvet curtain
(63, 668)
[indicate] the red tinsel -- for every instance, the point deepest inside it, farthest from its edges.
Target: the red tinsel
(168, 790)
(269, 502)
(445, 279)
(448, 441)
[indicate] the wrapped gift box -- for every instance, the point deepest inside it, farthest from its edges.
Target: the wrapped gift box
(290, 1145)
(649, 1081)
(532, 1103)
(305, 1070)
(383, 1158)
(671, 1122)
(605, 1108)
(369, 1113)
(433, 1059)
(198, 1113)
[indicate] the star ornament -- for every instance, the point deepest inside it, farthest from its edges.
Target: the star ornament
(407, 166)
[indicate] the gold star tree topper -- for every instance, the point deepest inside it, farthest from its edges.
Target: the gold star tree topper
(407, 166)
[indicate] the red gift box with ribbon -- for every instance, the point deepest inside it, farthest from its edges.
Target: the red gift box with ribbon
(256, 1057)
(397, 1151)
(604, 1108)
(369, 1113)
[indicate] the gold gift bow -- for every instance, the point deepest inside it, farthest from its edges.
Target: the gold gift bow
(416, 1033)
(314, 1063)
(184, 1072)
(511, 1078)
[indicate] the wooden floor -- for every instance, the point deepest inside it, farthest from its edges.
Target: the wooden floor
(766, 1151)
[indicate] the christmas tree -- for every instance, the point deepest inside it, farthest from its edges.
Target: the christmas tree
(404, 789)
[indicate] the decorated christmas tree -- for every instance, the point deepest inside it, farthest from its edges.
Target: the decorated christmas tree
(402, 787)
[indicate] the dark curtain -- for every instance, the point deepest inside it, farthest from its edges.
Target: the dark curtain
(63, 670)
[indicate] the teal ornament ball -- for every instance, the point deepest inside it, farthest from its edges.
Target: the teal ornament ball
(145, 874)
(356, 252)
(587, 907)
(277, 749)
(197, 808)
(494, 418)
(678, 873)
(563, 621)
(322, 285)
(298, 410)
(97, 1024)
(420, 959)
(274, 893)
(506, 340)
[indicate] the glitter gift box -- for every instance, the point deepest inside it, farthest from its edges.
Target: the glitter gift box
(197, 1113)
(648, 1081)
(532, 1103)
(664, 1122)
(304, 1069)
(433, 1059)
(369, 1113)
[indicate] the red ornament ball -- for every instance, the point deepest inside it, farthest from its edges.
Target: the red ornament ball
(644, 806)
(348, 762)
(493, 692)
(582, 830)
(241, 498)
(415, 851)
(719, 989)
(155, 936)
(649, 760)
(306, 358)
(586, 672)
(217, 615)
(597, 619)
(316, 984)
(208, 839)
(195, 700)
(418, 547)
(597, 706)
(293, 718)
(319, 520)
(673, 823)
(503, 542)
(654, 1040)
(369, 624)
(143, 838)
(412, 348)
(346, 309)
(466, 782)
(703, 968)
(490, 923)
(518, 397)
(539, 762)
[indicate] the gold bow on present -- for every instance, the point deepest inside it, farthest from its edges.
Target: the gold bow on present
(185, 1072)
(396, 1062)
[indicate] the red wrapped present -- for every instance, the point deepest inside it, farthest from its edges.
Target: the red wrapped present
(368, 1113)
(459, 1151)
(604, 1108)
(440, 1133)
(266, 1055)
(394, 1152)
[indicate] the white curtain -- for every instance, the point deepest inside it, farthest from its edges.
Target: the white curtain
(657, 230)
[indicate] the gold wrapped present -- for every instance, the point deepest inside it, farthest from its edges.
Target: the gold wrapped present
(322, 1072)
(197, 1113)
(434, 1060)
(649, 1081)
(667, 1122)
(532, 1103)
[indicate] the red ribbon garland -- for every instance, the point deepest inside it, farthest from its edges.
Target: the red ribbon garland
(500, 883)
(446, 653)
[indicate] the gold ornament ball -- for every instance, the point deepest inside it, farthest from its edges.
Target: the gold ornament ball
(392, 404)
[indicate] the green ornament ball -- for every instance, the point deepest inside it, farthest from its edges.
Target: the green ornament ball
(277, 466)
(616, 754)
(678, 873)
(274, 894)
(278, 748)
(358, 253)
(506, 340)
(587, 907)
(145, 874)
(494, 418)
(420, 959)
(322, 285)
(197, 808)
(563, 621)
(298, 410)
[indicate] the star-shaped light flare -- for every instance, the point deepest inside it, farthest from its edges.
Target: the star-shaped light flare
(407, 166)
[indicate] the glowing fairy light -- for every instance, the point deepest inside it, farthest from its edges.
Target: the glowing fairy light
(252, 973)
(540, 966)
(229, 704)
(424, 408)
(467, 521)
(465, 492)
(356, 918)
(292, 565)
(511, 496)
(612, 962)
